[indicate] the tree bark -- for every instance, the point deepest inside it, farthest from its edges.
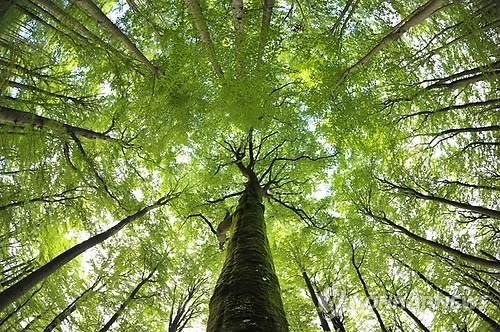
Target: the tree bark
(417, 17)
(17, 290)
(5, 5)
(25, 119)
(69, 309)
(201, 25)
(90, 8)
(37, 89)
(413, 316)
(30, 13)
(237, 7)
(59, 197)
(494, 102)
(471, 185)
(149, 20)
(6, 318)
(187, 306)
(478, 209)
(477, 311)
(247, 297)
(69, 21)
(266, 23)
(456, 131)
(367, 293)
(20, 69)
(466, 77)
(127, 301)
(454, 252)
(314, 298)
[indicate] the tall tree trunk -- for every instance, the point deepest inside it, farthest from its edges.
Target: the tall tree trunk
(37, 89)
(28, 11)
(417, 17)
(494, 103)
(337, 318)
(237, 7)
(95, 12)
(493, 264)
(127, 301)
(367, 293)
(9, 65)
(201, 25)
(474, 208)
(6, 318)
(467, 77)
(476, 310)
(55, 198)
(412, 316)
(455, 131)
(69, 309)
(247, 296)
(187, 305)
(5, 5)
(266, 24)
(314, 298)
(17, 290)
(70, 22)
(25, 119)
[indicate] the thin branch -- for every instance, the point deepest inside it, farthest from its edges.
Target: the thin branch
(212, 229)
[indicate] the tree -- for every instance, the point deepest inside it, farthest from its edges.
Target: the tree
(337, 159)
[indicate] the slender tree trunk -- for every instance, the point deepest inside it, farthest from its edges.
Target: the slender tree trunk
(25, 119)
(247, 297)
(367, 293)
(266, 24)
(465, 206)
(69, 21)
(471, 185)
(30, 13)
(186, 307)
(127, 301)
(413, 316)
(455, 131)
(492, 102)
(8, 65)
(28, 326)
(417, 17)
(5, 5)
(237, 7)
(477, 311)
(148, 20)
(69, 309)
(16, 310)
(59, 197)
(476, 282)
(454, 252)
(466, 77)
(314, 298)
(202, 27)
(17, 290)
(37, 89)
(95, 12)
(337, 323)
(349, 4)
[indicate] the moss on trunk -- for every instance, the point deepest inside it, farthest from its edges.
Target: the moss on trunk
(247, 296)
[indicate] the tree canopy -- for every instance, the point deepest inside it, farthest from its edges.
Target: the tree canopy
(126, 129)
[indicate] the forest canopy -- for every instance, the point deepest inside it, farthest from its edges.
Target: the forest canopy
(245, 165)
